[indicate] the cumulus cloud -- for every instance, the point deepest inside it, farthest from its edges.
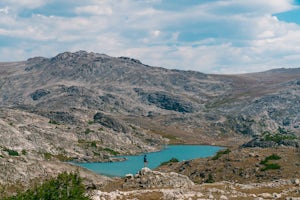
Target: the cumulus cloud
(94, 10)
(210, 36)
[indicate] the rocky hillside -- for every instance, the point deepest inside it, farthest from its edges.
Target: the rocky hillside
(89, 106)
(72, 87)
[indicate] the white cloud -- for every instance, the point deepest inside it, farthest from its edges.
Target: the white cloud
(215, 37)
(4, 10)
(25, 3)
(94, 10)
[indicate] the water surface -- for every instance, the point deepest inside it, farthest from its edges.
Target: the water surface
(134, 163)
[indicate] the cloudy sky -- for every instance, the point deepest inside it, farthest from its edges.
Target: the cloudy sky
(211, 36)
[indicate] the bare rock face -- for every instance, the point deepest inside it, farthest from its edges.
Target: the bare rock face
(167, 101)
(146, 178)
(110, 122)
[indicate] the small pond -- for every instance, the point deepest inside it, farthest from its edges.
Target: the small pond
(134, 163)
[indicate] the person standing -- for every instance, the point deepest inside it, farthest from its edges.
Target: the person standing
(145, 161)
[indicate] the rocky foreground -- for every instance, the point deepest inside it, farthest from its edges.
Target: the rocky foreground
(150, 184)
(241, 173)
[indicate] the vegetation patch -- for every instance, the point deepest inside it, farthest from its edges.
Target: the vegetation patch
(24, 152)
(94, 144)
(65, 186)
(52, 121)
(11, 152)
(220, 153)
(111, 151)
(47, 155)
(210, 179)
(63, 157)
(60, 157)
(269, 165)
(172, 160)
(280, 135)
(87, 144)
(88, 131)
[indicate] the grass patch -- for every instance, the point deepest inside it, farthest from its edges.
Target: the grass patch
(172, 160)
(90, 122)
(220, 153)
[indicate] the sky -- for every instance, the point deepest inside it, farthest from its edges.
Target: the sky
(210, 36)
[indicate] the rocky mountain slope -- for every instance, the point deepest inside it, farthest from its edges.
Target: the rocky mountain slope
(89, 106)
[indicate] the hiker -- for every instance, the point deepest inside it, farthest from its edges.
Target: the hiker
(145, 161)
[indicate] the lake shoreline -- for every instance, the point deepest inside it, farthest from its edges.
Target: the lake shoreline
(130, 164)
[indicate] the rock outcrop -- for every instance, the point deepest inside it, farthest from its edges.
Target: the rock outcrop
(146, 178)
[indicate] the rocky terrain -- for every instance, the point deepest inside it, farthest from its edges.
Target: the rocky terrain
(230, 174)
(89, 107)
(282, 189)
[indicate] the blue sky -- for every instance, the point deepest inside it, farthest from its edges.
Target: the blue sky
(211, 36)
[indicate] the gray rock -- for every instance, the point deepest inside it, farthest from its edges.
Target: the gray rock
(146, 178)
(39, 94)
(110, 122)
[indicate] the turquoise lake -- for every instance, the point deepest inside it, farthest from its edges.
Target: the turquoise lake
(134, 163)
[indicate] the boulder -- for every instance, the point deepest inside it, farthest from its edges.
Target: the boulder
(110, 122)
(146, 178)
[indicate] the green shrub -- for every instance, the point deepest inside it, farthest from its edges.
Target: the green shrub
(11, 152)
(90, 122)
(172, 160)
(87, 131)
(93, 144)
(210, 179)
(47, 156)
(24, 152)
(52, 121)
(281, 135)
(273, 157)
(271, 166)
(65, 186)
(220, 153)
